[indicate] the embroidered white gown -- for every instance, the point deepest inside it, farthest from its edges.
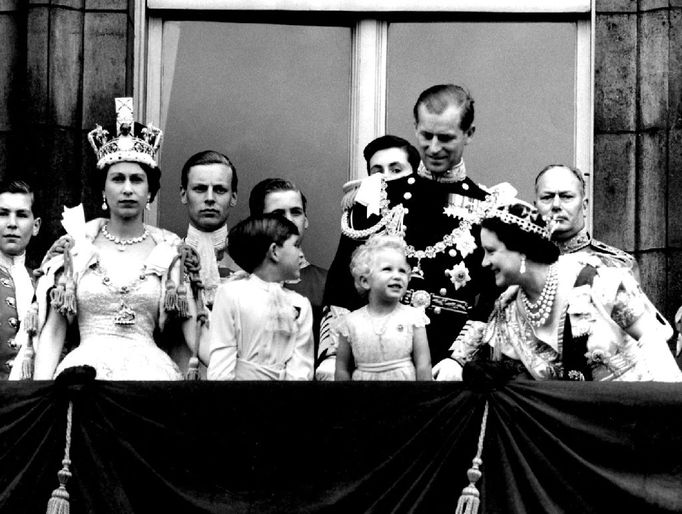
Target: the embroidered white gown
(386, 355)
(120, 352)
(123, 351)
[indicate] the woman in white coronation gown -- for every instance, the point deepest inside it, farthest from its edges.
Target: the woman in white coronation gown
(114, 279)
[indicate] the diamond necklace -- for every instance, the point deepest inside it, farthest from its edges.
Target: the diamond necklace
(538, 312)
(122, 243)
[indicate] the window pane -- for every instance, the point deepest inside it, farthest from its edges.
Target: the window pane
(522, 78)
(275, 99)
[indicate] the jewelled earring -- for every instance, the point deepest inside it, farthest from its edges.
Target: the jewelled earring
(148, 206)
(104, 202)
(522, 268)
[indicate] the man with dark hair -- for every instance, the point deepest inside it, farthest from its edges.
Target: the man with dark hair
(280, 196)
(390, 142)
(17, 225)
(560, 195)
(209, 190)
(437, 209)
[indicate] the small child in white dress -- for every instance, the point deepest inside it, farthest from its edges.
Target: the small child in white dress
(384, 340)
(258, 329)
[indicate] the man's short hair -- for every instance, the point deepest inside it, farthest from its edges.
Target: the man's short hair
(271, 185)
(438, 98)
(208, 157)
(16, 186)
(249, 240)
(390, 141)
(576, 172)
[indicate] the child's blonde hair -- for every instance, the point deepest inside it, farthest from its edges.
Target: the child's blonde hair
(363, 260)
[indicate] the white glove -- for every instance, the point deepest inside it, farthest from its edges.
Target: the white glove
(325, 371)
(447, 369)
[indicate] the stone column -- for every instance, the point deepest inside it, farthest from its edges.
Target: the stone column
(61, 65)
(12, 80)
(635, 88)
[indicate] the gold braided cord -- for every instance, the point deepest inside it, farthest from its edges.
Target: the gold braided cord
(449, 240)
(385, 215)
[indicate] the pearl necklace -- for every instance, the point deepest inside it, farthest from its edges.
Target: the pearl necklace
(538, 312)
(121, 243)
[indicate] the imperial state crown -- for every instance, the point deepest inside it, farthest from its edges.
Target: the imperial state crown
(128, 145)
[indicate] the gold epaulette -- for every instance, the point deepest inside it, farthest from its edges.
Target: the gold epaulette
(616, 253)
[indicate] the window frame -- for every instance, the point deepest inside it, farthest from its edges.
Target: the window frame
(369, 59)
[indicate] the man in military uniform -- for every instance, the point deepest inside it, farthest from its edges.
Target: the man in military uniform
(560, 195)
(17, 225)
(437, 208)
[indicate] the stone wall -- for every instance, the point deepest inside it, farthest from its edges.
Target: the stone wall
(61, 63)
(638, 88)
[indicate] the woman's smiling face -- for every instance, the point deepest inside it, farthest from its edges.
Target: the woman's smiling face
(503, 262)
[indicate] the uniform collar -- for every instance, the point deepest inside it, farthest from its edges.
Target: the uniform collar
(579, 241)
(455, 174)
(8, 261)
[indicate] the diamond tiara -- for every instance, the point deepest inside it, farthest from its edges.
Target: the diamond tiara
(527, 218)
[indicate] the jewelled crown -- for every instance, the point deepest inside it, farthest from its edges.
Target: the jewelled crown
(524, 216)
(127, 145)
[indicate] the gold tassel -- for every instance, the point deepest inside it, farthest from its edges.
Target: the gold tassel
(63, 295)
(183, 303)
(170, 301)
(470, 498)
(31, 324)
(31, 319)
(57, 295)
(27, 365)
(193, 369)
(59, 501)
(69, 300)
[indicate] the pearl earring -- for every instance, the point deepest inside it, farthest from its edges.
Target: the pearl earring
(522, 268)
(104, 203)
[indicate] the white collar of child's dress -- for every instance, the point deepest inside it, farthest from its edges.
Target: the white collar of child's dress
(455, 174)
(259, 282)
(281, 312)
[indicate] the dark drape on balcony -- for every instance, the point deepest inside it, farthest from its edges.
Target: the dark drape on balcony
(355, 447)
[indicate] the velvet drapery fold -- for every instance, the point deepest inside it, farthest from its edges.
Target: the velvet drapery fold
(257, 447)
